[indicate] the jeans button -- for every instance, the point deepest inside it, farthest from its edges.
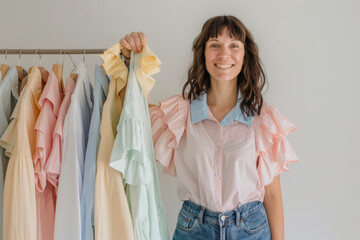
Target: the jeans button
(222, 218)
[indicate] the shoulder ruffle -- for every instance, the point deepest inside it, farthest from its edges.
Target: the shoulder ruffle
(168, 124)
(149, 65)
(115, 66)
(274, 150)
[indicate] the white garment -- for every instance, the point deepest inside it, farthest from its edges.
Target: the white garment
(75, 133)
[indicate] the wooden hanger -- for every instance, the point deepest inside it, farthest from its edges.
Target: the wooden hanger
(57, 70)
(44, 76)
(74, 76)
(21, 79)
(4, 69)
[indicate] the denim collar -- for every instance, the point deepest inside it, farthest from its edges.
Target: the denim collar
(199, 111)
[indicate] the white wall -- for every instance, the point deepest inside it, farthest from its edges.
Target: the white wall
(310, 50)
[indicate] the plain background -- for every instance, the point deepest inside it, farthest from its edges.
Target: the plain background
(310, 51)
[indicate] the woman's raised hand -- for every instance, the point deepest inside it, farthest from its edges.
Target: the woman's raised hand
(134, 41)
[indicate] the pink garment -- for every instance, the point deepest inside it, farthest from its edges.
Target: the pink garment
(53, 165)
(220, 167)
(49, 101)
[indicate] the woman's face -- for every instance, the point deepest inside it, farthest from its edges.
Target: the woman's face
(224, 57)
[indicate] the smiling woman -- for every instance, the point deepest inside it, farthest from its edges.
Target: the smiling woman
(224, 57)
(225, 145)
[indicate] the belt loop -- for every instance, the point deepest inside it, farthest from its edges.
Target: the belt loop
(237, 220)
(201, 215)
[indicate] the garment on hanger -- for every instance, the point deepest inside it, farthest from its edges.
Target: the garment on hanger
(133, 153)
(19, 188)
(8, 138)
(49, 102)
(7, 104)
(111, 210)
(87, 196)
(53, 165)
(75, 133)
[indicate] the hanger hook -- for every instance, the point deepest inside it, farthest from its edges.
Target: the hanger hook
(19, 57)
(72, 60)
(35, 56)
(84, 55)
(40, 59)
(6, 56)
(57, 61)
(62, 65)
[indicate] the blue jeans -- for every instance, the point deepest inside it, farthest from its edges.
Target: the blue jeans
(247, 222)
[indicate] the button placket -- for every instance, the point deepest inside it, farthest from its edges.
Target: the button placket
(218, 167)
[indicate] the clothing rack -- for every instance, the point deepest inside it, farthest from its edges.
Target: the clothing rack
(51, 51)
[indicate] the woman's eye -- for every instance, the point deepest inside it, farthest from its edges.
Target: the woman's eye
(214, 45)
(234, 46)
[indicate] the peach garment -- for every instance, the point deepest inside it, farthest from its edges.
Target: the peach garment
(45, 193)
(19, 215)
(220, 165)
(53, 164)
(111, 211)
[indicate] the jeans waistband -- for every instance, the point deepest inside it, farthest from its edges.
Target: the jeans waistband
(235, 215)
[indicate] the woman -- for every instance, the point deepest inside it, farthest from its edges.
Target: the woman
(225, 145)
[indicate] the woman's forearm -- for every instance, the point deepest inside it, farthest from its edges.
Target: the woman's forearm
(274, 209)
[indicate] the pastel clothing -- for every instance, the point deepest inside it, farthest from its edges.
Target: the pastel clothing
(111, 210)
(7, 140)
(19, 216)
(9, 97)
(133, 153)
(7, 103)
(49, 102)
(87, 196)
(220, 165)
(75, 133)
(53, 164)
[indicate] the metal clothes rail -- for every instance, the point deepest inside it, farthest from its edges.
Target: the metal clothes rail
(52, 51)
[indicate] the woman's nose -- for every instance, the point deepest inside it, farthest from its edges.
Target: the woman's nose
(224, 51)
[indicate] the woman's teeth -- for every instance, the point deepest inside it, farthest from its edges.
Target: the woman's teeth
(223, 66)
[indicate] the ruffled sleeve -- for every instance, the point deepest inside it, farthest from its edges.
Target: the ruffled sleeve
(149, 65)
(272, 147)
(168, 125)
(115, 66)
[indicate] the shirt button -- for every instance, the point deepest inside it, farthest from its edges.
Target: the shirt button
(222, 218)
(217, 174)
(218, 203)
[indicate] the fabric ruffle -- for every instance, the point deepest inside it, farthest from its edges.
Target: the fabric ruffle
(115, 66)
(130, 156)
(274, 150)
(149, 65)
(168, 124)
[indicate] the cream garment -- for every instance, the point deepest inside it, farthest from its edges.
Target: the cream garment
(19, 215)
(111, 210)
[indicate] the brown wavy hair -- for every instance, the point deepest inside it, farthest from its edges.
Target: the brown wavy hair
(250, 80)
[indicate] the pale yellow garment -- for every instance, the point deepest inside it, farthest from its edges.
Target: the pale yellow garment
(19, 216)
(111, 211)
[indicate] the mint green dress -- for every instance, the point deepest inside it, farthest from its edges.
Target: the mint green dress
(133, 155)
